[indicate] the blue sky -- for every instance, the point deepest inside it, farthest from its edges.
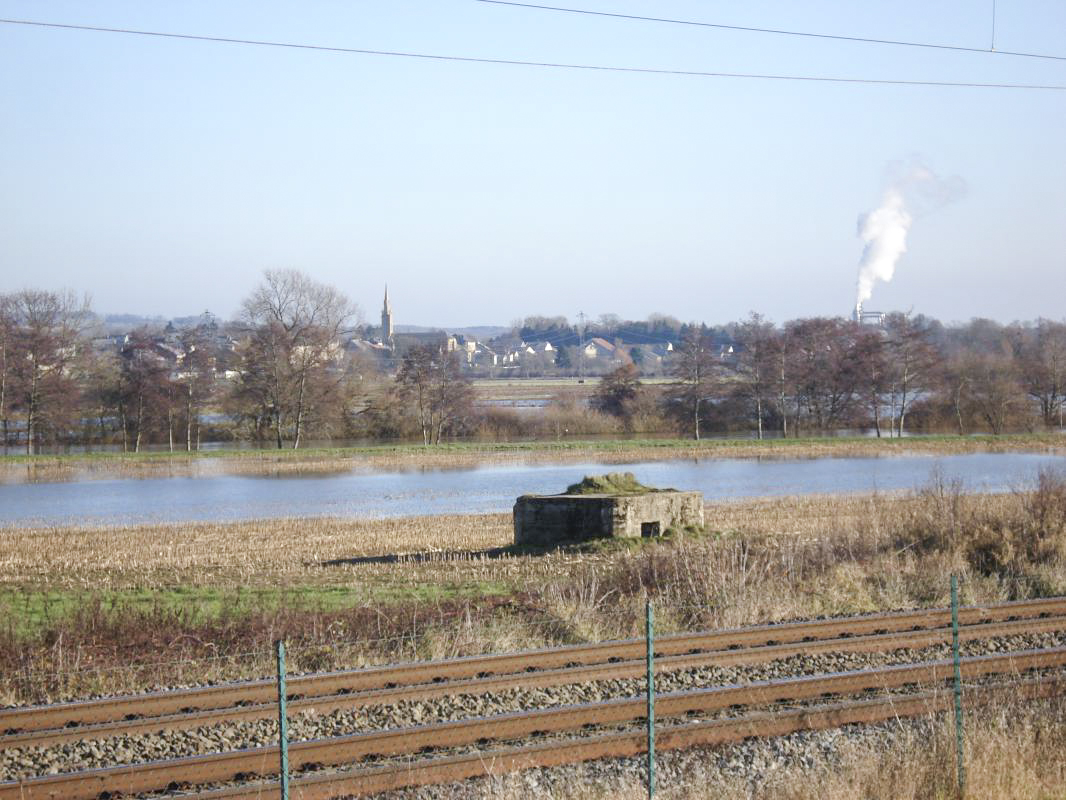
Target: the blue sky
(163, 176)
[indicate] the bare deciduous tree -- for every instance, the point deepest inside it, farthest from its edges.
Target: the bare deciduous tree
(757, 343)
(994, 389)
(47, 345)
(7, 348)
(146, 392)
(1041, 355)
(290, 361)
(824, 370)
(912, 362)
(102, 396)
(696, 370)
(196, 381)
(617, 393)
(873, 373)
(433, 382)
(955, 378)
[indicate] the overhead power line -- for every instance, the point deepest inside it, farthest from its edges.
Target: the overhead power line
(782, 32)
(548, 64)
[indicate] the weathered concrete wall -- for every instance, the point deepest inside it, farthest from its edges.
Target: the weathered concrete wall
(548, 519)
(669, 509)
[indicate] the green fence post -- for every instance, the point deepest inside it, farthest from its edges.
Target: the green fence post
(283, 723)
(650, 625)
(958, 683)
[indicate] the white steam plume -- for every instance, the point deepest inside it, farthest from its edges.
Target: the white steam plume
(884, 234)
(884, 230)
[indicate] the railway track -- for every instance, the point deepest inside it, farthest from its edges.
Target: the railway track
(634, 668)
(677, 651)
(481, 732)
(619, 745)
(47, 726)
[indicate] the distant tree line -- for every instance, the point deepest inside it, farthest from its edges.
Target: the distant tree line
(279, 374)
(283, 373)
(823, 374)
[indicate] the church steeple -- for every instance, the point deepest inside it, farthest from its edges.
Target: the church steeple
(386, 319)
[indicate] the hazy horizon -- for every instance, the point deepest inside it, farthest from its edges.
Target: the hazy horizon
(371, 319)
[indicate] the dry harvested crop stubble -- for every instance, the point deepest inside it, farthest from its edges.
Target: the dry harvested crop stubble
(349, 592)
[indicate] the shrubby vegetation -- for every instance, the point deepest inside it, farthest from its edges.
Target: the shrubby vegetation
(287, 371)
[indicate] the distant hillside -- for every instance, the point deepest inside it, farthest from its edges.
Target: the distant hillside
(124, 323)
(132, 319)
(474, 331)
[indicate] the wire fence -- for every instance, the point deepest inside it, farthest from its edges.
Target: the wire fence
(748, 720)
(50, 674)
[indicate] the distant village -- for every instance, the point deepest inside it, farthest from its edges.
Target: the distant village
(294, 367)
(528, 351)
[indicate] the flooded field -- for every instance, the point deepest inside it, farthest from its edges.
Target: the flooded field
(365, 493)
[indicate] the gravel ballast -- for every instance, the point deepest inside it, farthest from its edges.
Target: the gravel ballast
(18, 763)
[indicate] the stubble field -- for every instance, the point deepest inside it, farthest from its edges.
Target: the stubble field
(121, 608)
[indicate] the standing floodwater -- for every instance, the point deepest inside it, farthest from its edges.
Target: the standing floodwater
(484, 489)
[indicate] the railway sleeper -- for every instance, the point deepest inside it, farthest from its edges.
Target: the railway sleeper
(478, 725)
(90, 706)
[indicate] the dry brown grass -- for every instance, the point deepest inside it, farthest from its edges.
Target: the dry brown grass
(766, 559)
(450, 585)
(1013, 752)
(792, 537)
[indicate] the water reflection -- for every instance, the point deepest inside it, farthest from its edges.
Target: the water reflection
(311, 444)
(486, 489)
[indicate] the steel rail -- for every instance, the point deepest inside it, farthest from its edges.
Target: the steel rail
(620, 745)
(171, 702)
(544, 679)
(481, 730)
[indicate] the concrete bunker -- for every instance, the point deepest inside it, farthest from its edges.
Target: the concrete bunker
(604, 506)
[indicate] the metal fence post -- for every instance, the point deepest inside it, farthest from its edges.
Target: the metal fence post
(650, 625)
(283, 723)
(958, 683)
